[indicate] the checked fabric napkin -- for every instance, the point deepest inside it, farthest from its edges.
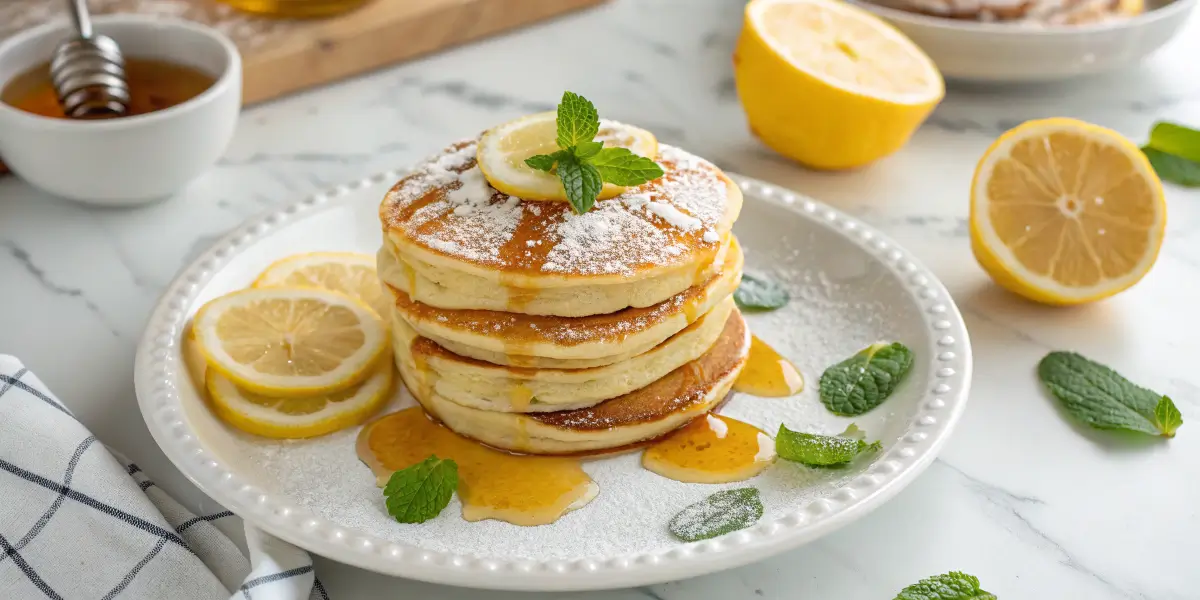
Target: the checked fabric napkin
(79, 522)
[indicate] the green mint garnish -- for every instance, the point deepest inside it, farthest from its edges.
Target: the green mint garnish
(718, 514)
(863, 381)
(820, 450)
(619, 166)
(760, 293)
(577, 120)
(1175, 169)
(1098, 396)
(1174, 152)
(954, 585)
(585, 165)
(420, 492)
(1179, 140)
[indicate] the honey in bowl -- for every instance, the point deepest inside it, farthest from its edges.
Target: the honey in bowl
(153, 85)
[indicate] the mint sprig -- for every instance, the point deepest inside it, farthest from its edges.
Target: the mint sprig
(1174, 152)
(1098, 396)
(420, 492)
(585, 165)
(821, 450)
(863, 381)
(954, 585)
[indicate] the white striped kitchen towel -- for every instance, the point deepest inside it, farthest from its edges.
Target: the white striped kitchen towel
(78, 522)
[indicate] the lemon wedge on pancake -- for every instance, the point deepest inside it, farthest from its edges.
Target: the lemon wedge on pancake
(351, 273)
(831, 85)
(303, 416)
(1065, 212)
(503, 149)
(288, 342)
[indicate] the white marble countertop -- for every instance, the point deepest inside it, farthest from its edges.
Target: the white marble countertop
(1032, 504)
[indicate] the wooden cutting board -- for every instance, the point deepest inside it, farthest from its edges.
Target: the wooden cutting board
(284, 56)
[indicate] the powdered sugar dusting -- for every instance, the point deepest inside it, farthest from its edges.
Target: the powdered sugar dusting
(843, 300)
(448, 207)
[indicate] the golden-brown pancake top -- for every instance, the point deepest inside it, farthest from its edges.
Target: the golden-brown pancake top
(676, 391)
(446, 207)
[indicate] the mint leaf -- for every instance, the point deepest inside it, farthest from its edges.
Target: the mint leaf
(581, 182)
(1178, 140)
(1175, 169)
(542, 162)
(717, 514)
(420, 492)
(583, 164)
(619, 166)
(863, 381)
(760, 293)
(819, 450)
(1098, 396)
(1167, 417)
(954, 585)
(577, 120)
(587, 149)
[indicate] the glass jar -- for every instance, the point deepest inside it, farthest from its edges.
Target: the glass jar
(296, 9)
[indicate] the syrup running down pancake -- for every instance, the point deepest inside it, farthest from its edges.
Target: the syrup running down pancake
(646, 413)
(568, 342)
(461, 244)
(486, 386)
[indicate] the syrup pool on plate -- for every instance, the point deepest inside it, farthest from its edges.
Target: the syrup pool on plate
(711, 449)
(767, 373)
(519, 489)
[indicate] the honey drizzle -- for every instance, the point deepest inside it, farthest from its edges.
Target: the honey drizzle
(519, 489)
(711, 449)
(768, 374)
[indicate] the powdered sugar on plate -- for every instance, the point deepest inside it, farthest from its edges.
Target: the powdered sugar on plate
(843, 299)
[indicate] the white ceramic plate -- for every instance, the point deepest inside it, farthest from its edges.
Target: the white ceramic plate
(850, 285)
(1009, 53)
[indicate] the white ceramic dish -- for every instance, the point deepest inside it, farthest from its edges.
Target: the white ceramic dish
(850, 286)
(1009, 53)
(131, 160)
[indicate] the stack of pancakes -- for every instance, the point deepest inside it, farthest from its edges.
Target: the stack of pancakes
(531, 328)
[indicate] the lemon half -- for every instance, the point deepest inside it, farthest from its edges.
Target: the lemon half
(831, 85)
(1065, 212)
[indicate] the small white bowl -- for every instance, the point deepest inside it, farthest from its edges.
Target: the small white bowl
(130, 160)
(1012, 53)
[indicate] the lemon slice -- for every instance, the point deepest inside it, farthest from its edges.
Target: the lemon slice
(1064, 212)
(503, 149)
(290, 341)
(829, 84)
(351, 273)
(303, 416)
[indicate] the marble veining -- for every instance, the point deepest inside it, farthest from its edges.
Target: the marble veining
(1033, 504)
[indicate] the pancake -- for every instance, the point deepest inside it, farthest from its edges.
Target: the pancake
(564, 342)
(461, 244)
(666, 404)
(485, 386)
(464, 292)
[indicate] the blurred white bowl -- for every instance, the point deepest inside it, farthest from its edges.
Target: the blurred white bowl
(131, 160)
(1011, 53)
